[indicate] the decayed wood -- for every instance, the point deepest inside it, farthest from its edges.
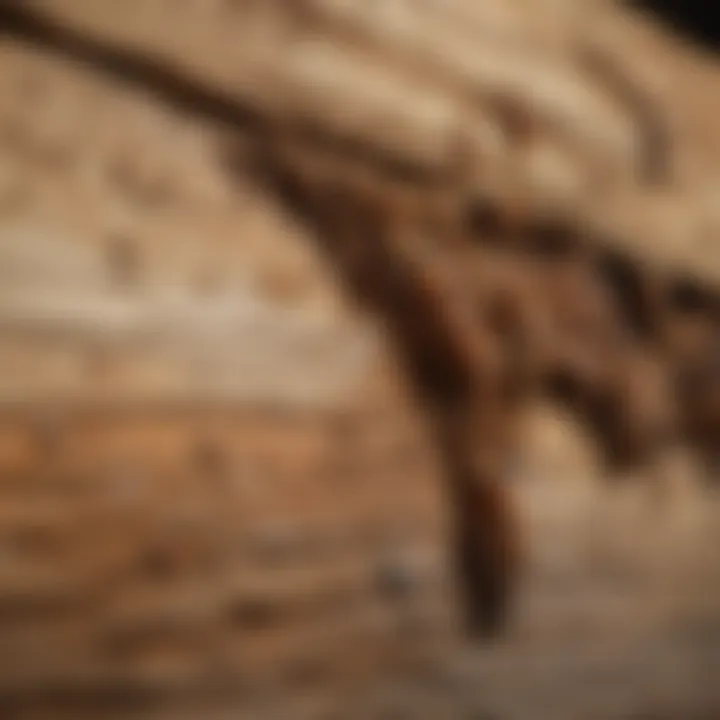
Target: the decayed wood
(387, 105)
(479, 194)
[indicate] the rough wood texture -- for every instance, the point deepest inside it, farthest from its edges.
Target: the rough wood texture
(280, 284)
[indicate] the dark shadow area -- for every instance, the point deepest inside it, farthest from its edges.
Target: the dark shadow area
(697, 20)
(634, 297)
(687, 297)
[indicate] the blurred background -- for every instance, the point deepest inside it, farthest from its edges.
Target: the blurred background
(219, 496)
